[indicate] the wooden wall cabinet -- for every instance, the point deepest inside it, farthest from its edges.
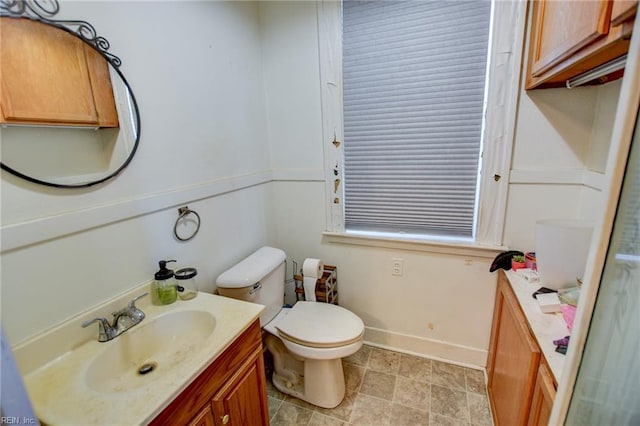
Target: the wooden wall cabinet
(51, 77)
(571, 37)
(231, 391)
(521, 387)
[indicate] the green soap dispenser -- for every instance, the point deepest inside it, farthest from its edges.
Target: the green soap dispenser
(164, 289)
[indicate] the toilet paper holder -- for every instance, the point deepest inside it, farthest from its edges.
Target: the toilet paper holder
(326, 288)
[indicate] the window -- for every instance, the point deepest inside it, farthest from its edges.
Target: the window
(420, 92)
(413, 94)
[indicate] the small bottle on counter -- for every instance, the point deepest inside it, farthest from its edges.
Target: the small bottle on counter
(164, 290)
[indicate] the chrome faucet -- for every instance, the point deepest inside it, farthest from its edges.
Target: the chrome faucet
(123, 320)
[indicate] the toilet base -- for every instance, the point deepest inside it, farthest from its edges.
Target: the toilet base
(318, 382)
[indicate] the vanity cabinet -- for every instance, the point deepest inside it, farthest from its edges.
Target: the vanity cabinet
(51, 77)
(514, 357)
(571, 37)
(230, 391)
(238, 402)
(544, 392)
(203, 418)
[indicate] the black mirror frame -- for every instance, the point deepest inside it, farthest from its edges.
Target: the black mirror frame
(43, 11)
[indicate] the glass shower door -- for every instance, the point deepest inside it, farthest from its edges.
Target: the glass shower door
(607, 388)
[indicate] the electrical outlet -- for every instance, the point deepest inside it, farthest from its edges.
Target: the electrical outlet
(397, 266)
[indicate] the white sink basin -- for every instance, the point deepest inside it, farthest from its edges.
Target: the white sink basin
(88, 382)
(149, 350)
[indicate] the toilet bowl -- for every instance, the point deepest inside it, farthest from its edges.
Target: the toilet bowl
(307, 341)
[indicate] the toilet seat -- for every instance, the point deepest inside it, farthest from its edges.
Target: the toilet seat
(319, 325)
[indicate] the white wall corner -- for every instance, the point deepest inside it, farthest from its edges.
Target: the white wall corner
(594, 180)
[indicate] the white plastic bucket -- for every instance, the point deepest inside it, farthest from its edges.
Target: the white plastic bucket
(562, 247)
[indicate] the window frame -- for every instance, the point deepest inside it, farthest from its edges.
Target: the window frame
(506, 42)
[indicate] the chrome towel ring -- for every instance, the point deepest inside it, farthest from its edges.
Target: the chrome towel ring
(187, 223)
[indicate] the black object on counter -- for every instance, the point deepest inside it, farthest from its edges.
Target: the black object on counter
(542, 290)
(503, 260)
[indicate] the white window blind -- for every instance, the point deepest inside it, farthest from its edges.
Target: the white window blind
(413, 94)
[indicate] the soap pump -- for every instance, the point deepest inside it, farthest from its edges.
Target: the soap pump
(164, 289)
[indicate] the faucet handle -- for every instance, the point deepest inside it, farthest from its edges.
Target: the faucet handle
(105, 331)
(132, 304)
(134, 310)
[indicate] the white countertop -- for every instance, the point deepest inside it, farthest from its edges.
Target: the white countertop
(545, 327)
(60, 393)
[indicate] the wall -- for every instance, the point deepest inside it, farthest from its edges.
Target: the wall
(243, 147)
(196, 73)
(560, 152)
(591, 202)
(291, 73)
(442, 305)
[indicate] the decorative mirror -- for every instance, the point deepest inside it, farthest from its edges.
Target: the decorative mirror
(68, 117)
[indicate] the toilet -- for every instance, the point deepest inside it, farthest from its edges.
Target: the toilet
(307, 341)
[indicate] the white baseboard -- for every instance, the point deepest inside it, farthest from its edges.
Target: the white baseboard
(434, 349)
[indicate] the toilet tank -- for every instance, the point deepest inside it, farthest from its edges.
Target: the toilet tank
(259, 278)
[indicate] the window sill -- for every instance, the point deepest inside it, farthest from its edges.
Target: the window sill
(415, 244)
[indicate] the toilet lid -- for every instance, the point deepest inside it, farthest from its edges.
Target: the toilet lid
(320, 325)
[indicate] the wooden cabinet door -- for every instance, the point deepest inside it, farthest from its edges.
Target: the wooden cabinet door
(513, 360)
(49, 76)
(622, 11)
(203, 418)
(242, 400)
(571, 37)
(44, 75)
(544, 393)
(101, 88)
(563, 27)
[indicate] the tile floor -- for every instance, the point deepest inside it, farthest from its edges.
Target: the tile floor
(390, 388)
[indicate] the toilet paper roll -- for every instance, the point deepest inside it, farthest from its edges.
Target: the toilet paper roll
(312, 269)
(309, 284)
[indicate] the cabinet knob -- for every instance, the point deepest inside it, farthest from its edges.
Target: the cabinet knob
(225, 419)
